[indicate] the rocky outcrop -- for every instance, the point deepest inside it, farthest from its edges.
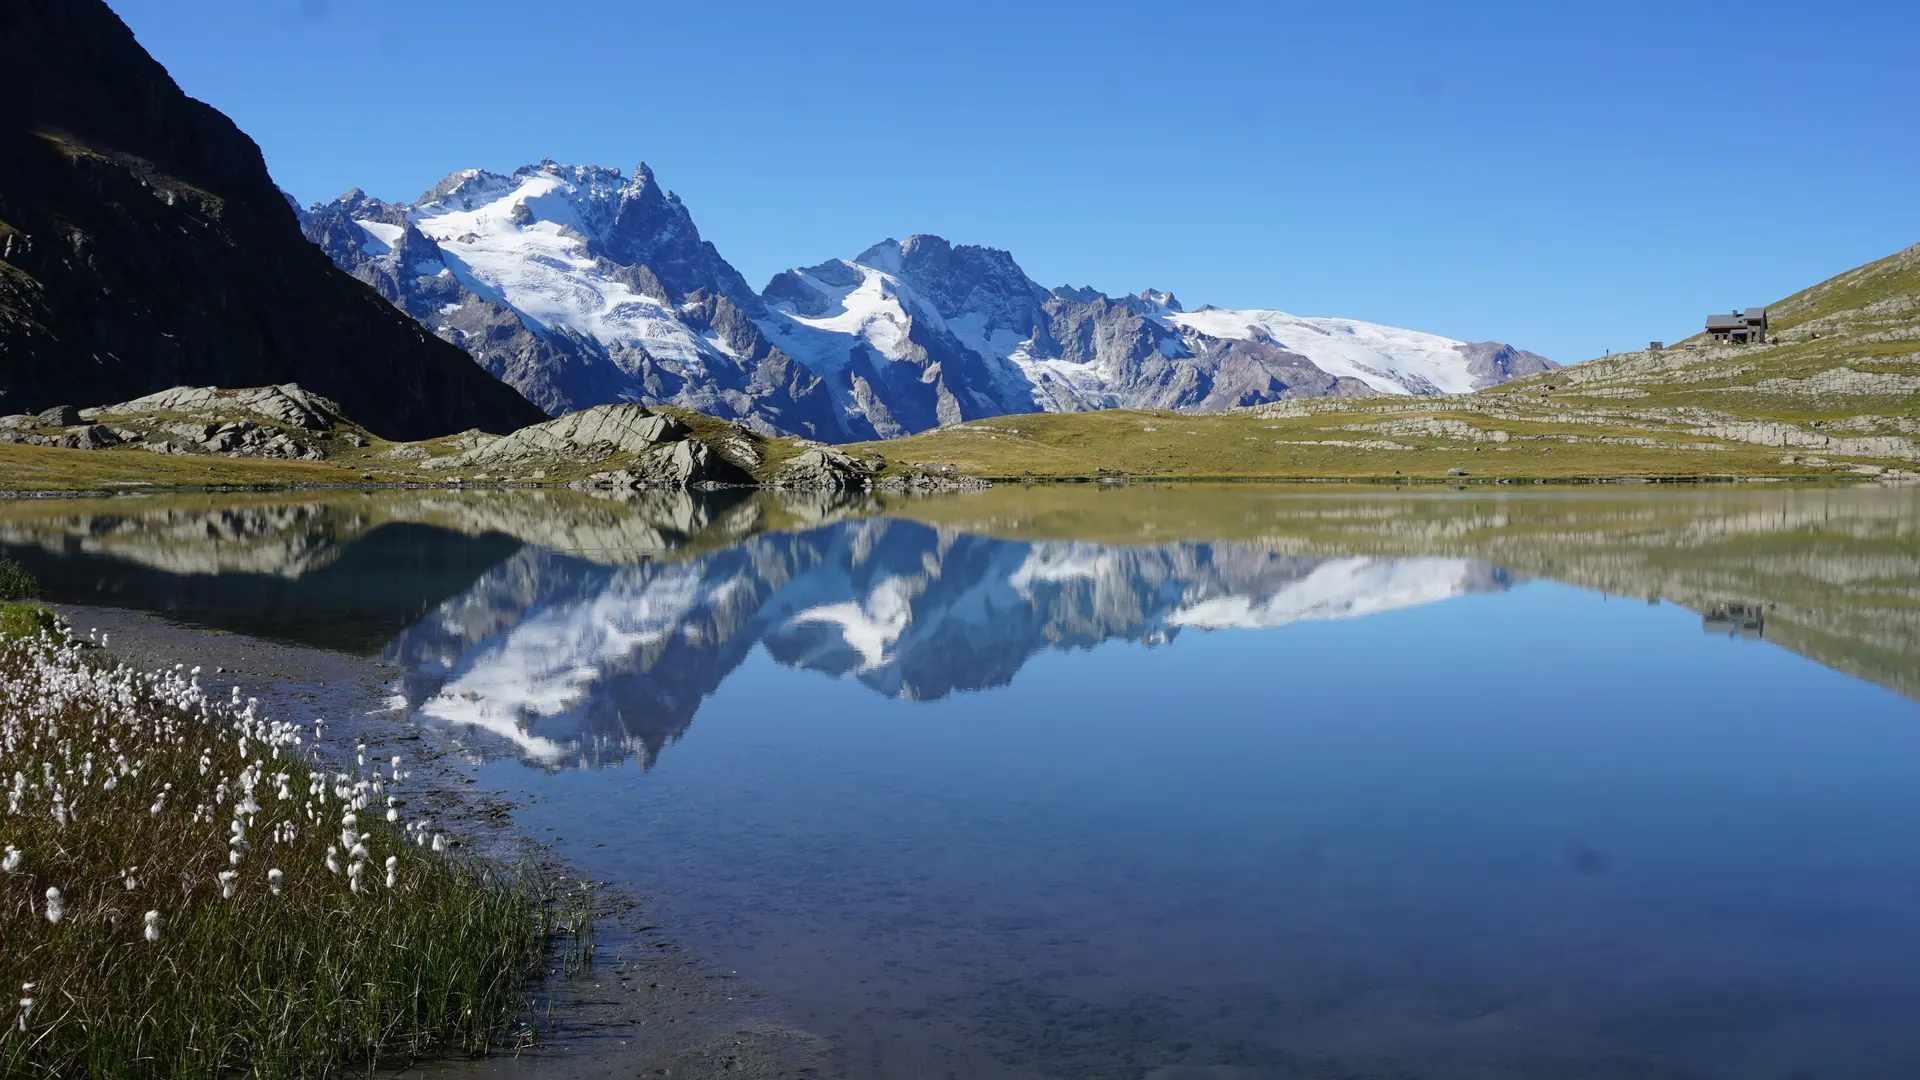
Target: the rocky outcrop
(823, 467)
(1843, 381)
(288, 406)
(1432, 428)
(1774, 433)
(625, 447)
(77, 437)
(929, 480)
(1492, 363)
(685, 465)
(602, 431)
(267, 421)
(143, 246)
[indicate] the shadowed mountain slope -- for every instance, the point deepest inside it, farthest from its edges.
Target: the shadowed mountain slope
(144, 246)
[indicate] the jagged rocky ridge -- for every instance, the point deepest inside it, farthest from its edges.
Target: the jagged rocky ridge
(581, 286)
(144, 246)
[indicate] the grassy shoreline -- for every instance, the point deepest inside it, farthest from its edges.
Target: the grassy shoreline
(993, 467)
(185, 891)
(1478, 440)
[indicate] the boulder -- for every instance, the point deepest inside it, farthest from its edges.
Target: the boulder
(600, 431)
(823, 468)
(688, 463)
(60, 416)
(743, 446)
(90, 437)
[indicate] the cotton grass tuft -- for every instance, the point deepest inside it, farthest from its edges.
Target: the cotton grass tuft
(125, 795)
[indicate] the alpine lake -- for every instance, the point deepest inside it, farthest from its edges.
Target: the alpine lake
(1159, 781)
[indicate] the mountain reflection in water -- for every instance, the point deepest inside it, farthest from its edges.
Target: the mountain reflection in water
(569, 660)
(575, 630)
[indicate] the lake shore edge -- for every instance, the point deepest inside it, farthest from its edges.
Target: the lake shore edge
(666, 1010)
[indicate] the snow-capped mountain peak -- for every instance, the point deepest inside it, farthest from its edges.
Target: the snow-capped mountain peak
(884, 256)
(534, 240)
(582, 285)
(579, 285)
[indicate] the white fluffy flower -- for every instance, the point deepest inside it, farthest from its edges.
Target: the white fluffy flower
(153, 926)
(56, 905)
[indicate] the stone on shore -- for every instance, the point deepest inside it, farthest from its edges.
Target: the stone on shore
(823, 468)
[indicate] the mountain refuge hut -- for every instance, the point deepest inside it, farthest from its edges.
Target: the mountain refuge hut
(1747, 327)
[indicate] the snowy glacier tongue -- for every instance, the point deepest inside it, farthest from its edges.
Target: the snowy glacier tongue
(1390, 360)
(867, 305)
(526, 239)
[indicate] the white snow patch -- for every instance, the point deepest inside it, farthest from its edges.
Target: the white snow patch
(1391, 360)
(381, 237)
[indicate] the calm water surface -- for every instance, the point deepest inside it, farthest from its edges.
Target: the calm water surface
(1171, 783)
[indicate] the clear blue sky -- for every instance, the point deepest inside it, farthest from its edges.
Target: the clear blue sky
(1569, 177)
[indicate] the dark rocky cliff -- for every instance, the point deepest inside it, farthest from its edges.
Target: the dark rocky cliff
(143, 245)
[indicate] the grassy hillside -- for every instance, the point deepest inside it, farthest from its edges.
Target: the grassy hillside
(1837, 393)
